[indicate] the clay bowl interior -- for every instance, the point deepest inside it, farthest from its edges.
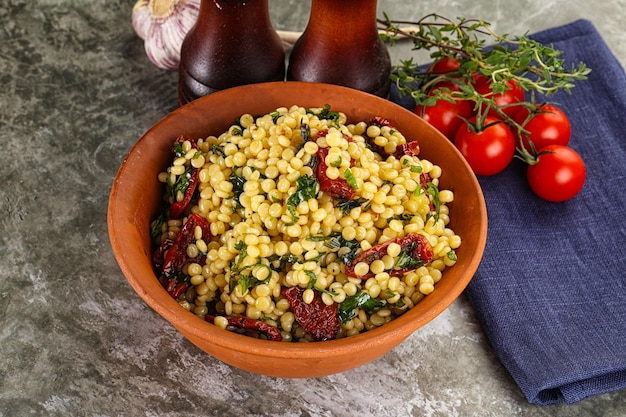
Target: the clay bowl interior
(136, 195)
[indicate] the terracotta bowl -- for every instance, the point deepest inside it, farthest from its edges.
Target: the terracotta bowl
(136, 194)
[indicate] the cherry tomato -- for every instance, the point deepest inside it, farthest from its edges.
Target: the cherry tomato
(446, 116)
(558, 174)
(514, 94)
(488, 151)
(549, 125)
(444, 65)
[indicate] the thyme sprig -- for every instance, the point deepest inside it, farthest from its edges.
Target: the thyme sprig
(536, 68)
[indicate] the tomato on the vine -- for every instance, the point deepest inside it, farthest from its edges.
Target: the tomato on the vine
(444, 65)
(558, 174)
(505, 100)
(489, 150)
(547, 125)
(445, 115)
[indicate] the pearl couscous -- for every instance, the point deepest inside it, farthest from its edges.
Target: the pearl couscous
(300, 198)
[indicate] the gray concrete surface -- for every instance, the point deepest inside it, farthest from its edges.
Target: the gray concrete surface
(76, 92)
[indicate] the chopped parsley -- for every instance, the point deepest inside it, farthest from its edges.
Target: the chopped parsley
(235, 267)
(347, 308)
(307, 188)
(326, 114)
(405, 261)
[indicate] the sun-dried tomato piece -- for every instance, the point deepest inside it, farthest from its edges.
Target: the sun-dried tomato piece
(338, 188)
(177, 209)
(317, 318)
(181, 139)
(244, 322)
(175, 288)
(416, 251)
(380, 121)
(411, 148)
(159, 254)
(176, 256)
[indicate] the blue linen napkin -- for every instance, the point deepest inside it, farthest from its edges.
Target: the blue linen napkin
(551, 288)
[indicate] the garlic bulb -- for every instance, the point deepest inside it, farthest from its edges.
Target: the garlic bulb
(163, 25)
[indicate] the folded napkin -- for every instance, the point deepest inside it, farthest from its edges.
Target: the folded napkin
(551, 288)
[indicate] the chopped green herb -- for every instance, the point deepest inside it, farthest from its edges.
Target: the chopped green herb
(413, 168)
(347, 205)
(236, 131)
(337, 241)
(307, 188)
(313, 283)
(243, 251)
(279, 263)
(245, 282)
(313, 163)
(347, 308)
(350, 178)
(312, 278)
(238, 185)
(405, 261)
(336, 163)
(182, 182)
(433, 192)
(156, 227)
(305, 132)
(326, 114)
(318, 238)
(218, 150)
(178, 149)
(405, 218)
(275, 115)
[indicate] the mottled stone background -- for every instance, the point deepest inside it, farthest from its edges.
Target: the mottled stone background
(76, 91)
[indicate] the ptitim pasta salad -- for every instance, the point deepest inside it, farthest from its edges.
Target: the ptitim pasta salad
(299, 226)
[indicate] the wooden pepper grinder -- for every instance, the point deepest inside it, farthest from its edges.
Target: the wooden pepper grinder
(232, 43)
(340, 45)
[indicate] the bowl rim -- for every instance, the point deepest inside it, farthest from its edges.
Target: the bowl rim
(169, 309)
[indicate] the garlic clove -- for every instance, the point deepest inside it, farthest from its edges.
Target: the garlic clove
(141, 19)
(161, 49)
(163, 25)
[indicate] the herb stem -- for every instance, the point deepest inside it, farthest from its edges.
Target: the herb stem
(534, 67)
